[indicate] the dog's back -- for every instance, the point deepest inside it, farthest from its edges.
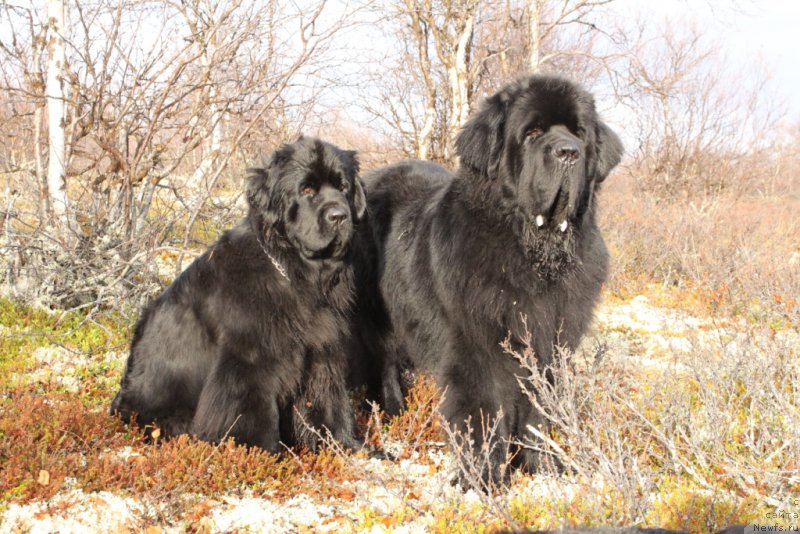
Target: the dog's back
(394, 188)
(173, 347)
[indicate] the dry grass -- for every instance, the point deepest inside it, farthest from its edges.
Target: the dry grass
(706, 443)
(739, 256)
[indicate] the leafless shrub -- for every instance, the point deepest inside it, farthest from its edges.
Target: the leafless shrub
(699, 127)
(734, 253)
(721, 422)
(166, 103)
(476, 468)
(586, 437)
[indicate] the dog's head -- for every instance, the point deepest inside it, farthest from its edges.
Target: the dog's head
(308, 194)
(541, 138)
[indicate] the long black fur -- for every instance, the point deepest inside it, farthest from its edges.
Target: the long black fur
(464, 264)
(235, 347)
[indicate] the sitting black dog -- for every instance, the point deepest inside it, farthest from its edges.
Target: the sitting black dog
(250, 341)
(506, 247)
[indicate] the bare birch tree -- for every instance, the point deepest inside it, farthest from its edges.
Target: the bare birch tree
(437, 37)
(463, 48)
(695, 121)
(56, 112)
(421, 31)
(547, 18)
(161, 102)
(22, 84)
(453, 42)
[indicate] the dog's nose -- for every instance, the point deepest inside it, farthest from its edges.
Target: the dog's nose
(336, 215)
(567, 151)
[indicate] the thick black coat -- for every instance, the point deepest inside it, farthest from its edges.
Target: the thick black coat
(508, 245)
(251, 338)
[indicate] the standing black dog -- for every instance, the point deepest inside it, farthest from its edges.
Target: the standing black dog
(508, 245)
(254, 332)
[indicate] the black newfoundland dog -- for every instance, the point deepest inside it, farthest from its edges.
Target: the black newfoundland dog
(508, 245)
(251, 340)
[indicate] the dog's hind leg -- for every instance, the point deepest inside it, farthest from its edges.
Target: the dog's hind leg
(237, 402)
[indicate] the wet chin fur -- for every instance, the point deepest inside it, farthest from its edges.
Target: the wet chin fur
(550, 250)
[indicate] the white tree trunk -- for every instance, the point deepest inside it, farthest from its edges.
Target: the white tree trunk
(207, 35)
(534, 21)
(459, 75)
(214, 147)
(426, 133)
(41, 175)
(38, 142)
(54, 90)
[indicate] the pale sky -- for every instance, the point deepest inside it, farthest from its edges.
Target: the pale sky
(772, 33)
(751, 33)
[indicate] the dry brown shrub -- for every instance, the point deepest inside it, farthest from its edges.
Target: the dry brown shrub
(81, 446)
(741, 252)
(699, 446)
(419, 426)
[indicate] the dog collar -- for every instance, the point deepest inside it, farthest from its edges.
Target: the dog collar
(275, 263)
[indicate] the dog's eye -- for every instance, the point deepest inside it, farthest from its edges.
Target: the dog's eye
(343, 186)
(308, 190)
(534, 133)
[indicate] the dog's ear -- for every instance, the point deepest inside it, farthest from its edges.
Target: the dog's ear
(480, 142)
(349, 159)
(359, 199)
(351, 163)
(609, 151)
(258, 192)
(260, 182)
